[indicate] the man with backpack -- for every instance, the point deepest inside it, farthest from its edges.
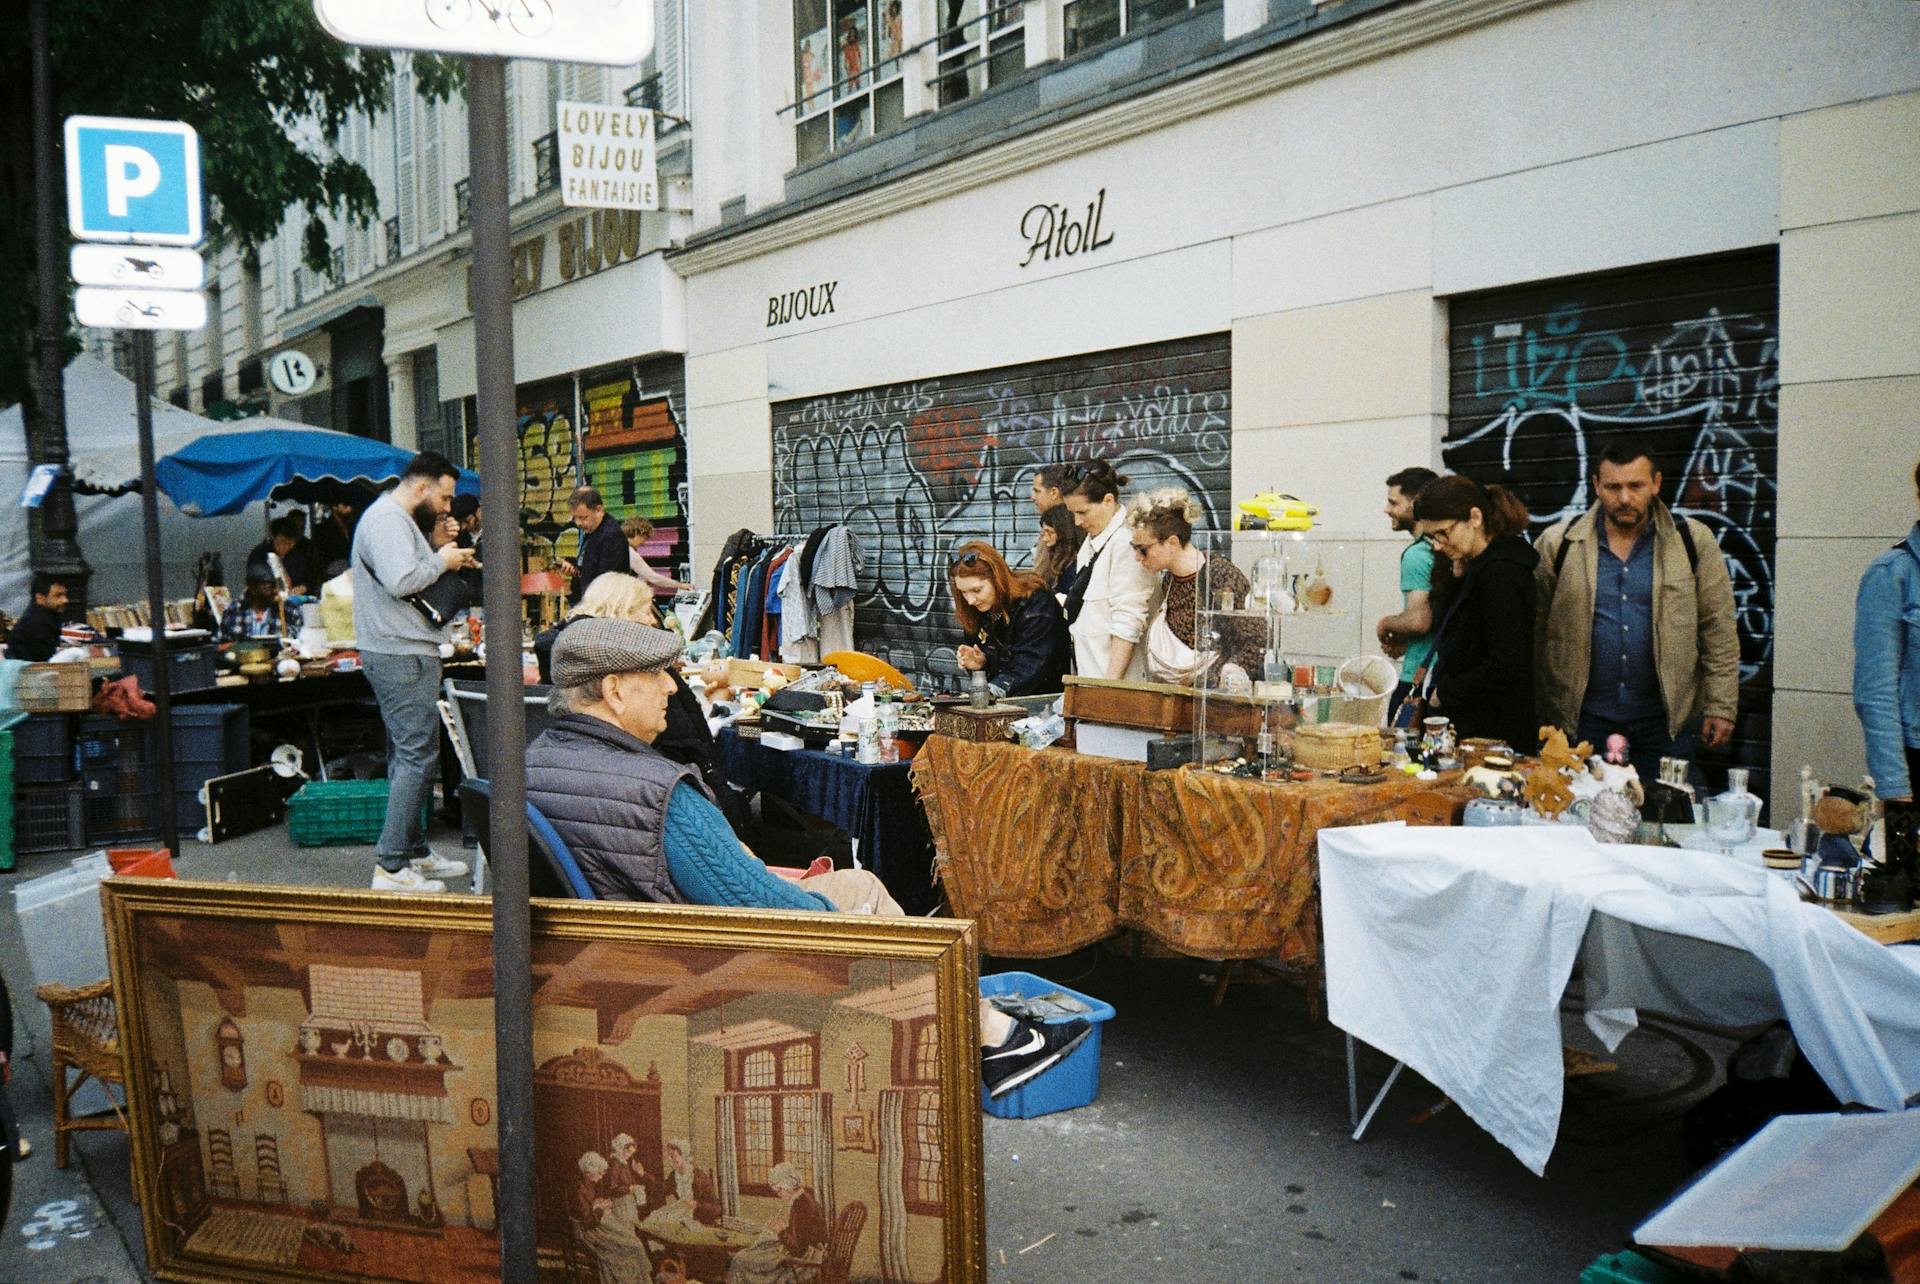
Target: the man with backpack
(1635, 626)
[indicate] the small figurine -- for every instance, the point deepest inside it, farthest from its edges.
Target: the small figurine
(1549, 787)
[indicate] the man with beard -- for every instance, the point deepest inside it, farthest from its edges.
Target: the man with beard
(404, 543)
(1408, 634)
(1635, 624)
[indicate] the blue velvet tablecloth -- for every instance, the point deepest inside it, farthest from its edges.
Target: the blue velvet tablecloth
(875, 804)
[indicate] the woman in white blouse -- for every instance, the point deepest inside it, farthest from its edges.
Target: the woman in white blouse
(1115, 589)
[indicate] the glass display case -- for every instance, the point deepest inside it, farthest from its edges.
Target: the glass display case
(1283, 642)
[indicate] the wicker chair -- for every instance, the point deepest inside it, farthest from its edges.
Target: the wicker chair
(86, 1038)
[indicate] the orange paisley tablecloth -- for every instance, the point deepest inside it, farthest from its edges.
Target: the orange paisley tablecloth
(1050, 850)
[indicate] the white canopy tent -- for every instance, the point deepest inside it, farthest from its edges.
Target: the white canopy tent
(105, 451)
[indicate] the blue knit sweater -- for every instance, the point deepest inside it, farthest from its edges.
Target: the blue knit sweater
(710, 867)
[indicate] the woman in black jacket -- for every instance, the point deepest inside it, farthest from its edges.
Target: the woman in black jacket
(1018, 629)
(1483, 668)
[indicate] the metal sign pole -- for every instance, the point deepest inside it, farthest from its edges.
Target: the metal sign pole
(506, 710)
(156, 591)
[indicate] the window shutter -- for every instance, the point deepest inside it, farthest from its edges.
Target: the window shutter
(403, 175)
(667, 55)
(432, 178)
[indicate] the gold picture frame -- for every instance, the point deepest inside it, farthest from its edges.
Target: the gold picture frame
(658, 1030)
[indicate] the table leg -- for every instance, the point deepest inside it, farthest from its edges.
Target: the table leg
(1360, 1122)
(319, 750)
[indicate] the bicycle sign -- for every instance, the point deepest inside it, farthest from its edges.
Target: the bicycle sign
(115, 309)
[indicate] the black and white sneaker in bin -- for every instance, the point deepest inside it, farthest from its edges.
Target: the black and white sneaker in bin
(1030, 1050)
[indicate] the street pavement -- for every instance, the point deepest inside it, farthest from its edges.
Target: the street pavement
(1217, 1151)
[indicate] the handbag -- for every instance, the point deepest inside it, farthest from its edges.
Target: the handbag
(1413, 710)
(437, 603)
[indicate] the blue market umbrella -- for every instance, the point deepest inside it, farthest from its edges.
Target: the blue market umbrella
(225, 472)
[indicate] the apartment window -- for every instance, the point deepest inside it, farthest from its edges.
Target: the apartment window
(848, 61)
(462, 203)
(1092, 22)
(392, 229)
(982, 42)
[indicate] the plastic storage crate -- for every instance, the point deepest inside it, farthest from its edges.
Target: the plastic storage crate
(190, 665)
(340, 811)
(1073, 1083)
(209, 740)
(49, 818)
(43, 749)
(1628, 1267)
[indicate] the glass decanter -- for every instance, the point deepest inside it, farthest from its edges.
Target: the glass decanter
(1734, 816)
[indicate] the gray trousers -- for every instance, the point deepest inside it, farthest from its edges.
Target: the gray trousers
(408, 689)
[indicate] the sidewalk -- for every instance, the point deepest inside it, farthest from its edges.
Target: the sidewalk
(1217, 1149)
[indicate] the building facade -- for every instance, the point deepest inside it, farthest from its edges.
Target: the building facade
(1273, 244)
(386, 334)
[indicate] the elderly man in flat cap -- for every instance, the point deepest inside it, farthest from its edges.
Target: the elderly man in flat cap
(644, 828)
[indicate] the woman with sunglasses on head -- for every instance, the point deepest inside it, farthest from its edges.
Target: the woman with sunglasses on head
(1482, 672)
(1162, 538)
(1108, 606)
(1018, 634)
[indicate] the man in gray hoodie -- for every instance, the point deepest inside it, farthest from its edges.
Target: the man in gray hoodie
(405, 542)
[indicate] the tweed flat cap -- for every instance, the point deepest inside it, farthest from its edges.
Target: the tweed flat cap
(590, 649)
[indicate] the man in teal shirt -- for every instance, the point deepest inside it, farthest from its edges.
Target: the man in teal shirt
(1408, 634)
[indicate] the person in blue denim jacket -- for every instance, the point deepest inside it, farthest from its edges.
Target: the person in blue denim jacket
(1886, 664)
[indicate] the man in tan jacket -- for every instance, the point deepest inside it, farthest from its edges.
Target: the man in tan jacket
(1635, 632)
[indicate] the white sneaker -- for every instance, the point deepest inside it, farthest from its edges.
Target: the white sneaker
(406, 879)
(434, 865)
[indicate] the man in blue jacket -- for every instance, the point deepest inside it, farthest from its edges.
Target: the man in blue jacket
(644, 828)
(1886, 664)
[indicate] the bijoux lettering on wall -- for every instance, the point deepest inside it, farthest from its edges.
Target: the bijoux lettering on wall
(801, 305)
(1052, 231)
(598, 240)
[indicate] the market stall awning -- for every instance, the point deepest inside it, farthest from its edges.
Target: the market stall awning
(226, 472)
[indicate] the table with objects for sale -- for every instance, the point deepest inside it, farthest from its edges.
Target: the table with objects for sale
(1449, 950)
(1049, 850)
(873, 802)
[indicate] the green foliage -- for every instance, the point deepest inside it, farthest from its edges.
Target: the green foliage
(266, 87)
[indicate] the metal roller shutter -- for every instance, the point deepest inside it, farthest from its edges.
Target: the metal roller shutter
(1686, 355)
(918, 468)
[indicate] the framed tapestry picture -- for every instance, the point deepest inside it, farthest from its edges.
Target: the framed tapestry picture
(311, 1082)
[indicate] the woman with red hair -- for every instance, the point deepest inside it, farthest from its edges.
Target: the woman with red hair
(1018, 632)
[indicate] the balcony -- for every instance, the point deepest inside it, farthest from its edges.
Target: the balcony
(462, 204)
(546, 161)
(645, 93)
(393, 238)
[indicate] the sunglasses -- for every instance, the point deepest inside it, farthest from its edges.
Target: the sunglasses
(1141, 550)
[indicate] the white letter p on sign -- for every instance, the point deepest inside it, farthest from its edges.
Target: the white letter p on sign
(131, 172)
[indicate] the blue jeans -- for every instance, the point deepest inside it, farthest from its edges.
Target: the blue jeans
(408, 689)
(1647, 743)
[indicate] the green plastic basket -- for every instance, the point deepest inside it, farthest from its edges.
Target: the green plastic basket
(1628, 1267)
(335, 812)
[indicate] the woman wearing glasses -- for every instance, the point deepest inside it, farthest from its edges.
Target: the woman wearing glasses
(1114, 589)
(1018, 634)
(1162, 538)
(1482, 674)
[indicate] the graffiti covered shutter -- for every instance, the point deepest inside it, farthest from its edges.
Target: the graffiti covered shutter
(1686, 356)
(917, 468)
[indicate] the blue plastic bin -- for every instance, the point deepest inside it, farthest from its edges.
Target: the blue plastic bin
(1075, 1082)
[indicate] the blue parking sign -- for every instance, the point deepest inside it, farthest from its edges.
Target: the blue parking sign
(133, 180)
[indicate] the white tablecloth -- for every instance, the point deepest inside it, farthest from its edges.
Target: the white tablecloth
(1449, 949)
